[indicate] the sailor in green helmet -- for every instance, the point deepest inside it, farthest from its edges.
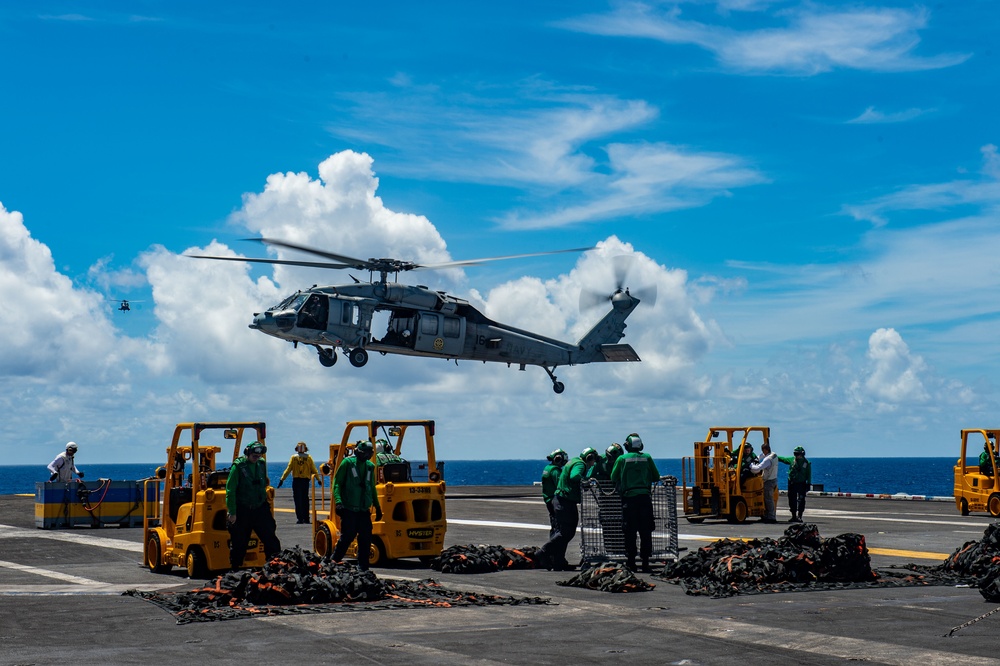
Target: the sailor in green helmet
(550, 481)
(248, 509)
(799, 482)
(353, 497)
(565, 503)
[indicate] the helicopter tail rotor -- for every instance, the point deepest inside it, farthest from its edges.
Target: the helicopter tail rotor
(621, 266)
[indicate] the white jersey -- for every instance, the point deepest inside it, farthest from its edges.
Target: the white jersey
(767, 467)
(64, 466)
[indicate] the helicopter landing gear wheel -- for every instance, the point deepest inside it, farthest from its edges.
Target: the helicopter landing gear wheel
(327, 358)
(557, 385)
(358, 357)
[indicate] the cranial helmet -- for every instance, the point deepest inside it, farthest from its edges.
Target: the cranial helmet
(382, 446)
(256, 447)
(301, 447)
(558, 457)
(589, 455)
(633, 443)
(363, 449)
(799, 449)
(613, 451)
(71, 446)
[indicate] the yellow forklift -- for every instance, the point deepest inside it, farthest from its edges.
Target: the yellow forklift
(192, 531)
(976, 487)
(717, 480)
(413, 514)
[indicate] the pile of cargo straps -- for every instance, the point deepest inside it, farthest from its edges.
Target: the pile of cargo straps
(484, 559)
(801, 559)
(297, 581)
(608, 577)
(975, 563)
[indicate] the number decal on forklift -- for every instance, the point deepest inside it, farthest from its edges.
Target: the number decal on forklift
(420, 491)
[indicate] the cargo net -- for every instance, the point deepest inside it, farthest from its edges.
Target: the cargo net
(799, 560)
(975, 563)
(803, 560)
(608, 577)
(484, 559)
(297, 581)
(602, 537)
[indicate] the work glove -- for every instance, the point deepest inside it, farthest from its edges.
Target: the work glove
(378, 515)
(231, 519)
(339, 509)
(80, 474)
(53, 477)
(280, 482)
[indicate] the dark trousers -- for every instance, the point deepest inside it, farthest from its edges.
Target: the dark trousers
(355, 524)
(797, 497)
(300, 492)
(567, 517)
(259, 520)
(553, 525)
(637, 518)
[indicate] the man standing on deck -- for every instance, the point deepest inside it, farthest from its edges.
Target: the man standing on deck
(63, 467)
(767, 467)
(247, 507)
(303, 470)
(565, 505)
(550, 481)
(634, 474)
(799, 482)
(354, 496)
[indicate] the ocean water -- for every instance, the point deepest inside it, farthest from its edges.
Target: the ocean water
(911, 476)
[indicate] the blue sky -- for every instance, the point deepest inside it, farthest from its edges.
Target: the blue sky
(812, 187)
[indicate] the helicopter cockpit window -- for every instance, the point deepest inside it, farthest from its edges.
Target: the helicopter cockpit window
(347, 314)
(452, 327)
(429, 325)
(315, 312)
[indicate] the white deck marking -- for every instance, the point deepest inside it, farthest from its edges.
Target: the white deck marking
(11, 532)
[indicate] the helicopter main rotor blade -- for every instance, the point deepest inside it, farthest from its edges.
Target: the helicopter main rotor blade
(284, 262)
(349, 262)
(477, 262)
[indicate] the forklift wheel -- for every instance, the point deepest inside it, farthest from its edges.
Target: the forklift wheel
(376, 554)
(738, 513)
(197, 567)
(964, 508)
(154, 554)
(323, 541)
(993, 504)
(694, 519)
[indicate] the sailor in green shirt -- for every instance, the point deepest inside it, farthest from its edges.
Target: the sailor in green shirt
(550, 480)
(353, 496)
(247, 506)
(564, 504)
(799, 481)
(634, 475)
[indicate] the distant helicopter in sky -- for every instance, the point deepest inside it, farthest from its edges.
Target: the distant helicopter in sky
(428, 323)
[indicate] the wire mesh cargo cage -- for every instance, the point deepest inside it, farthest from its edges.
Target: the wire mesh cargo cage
(601, 529)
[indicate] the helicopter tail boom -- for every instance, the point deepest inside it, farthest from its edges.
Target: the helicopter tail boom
(600, 344)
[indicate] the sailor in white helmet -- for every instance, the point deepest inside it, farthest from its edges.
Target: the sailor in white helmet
(63, 467)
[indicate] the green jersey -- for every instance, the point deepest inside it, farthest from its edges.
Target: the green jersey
(572, 475)
(800, 470)
(354, 485)
(550, 481)
(634, 474)
(247, 484)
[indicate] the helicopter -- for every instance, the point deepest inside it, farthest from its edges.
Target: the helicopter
(427, 323)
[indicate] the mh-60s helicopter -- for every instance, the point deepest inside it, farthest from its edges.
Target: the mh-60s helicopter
(423, 322)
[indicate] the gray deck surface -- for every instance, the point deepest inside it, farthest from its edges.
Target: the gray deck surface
(60, 601)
